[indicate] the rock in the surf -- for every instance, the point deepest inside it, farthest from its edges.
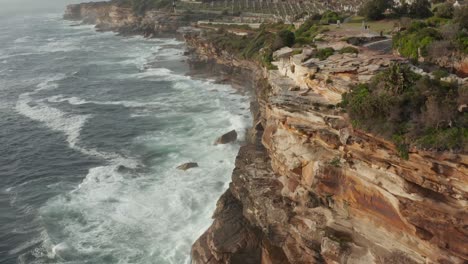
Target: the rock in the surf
(227, 138)
(123, 169)
(188, 165)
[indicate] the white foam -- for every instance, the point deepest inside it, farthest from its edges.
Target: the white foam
(63, 45)
(49, 82)
(53, 118)
(168, 42)
(79, 101)
(160, 74)
(22, 39)
(169, 54)
(68, 124)
(155, 217)
(140, 57)
(82, 26)
(142, 217)
(17, 55)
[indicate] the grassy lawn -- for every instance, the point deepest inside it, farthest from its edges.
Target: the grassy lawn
(355, 23)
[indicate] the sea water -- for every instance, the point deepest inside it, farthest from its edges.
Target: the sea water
(92, 128)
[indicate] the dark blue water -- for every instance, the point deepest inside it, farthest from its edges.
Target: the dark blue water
(92, 126)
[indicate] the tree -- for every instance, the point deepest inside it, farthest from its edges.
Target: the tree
(284, 38)
(401, 9)
(420, 9)
(329, 17)
(374, 9)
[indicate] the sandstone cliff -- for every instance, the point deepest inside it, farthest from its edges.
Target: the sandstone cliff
(108, 16)
(310, 189)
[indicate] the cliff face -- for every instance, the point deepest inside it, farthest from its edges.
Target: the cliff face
(111, 17)
(307, 188)
(310, 189)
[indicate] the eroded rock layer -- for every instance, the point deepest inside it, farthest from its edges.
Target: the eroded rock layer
(310, 189)
(108, 16)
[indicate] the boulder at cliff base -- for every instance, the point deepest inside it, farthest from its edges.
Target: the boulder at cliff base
(188, 165)
(227, 138)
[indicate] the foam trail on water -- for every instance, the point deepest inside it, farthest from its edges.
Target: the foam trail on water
(126, 210)
(79, 101)
(51, 117)
(68, 124)
(22, 39)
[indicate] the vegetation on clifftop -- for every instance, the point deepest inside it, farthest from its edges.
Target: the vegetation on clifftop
(434, 38)
(379, 9)
(410, 109)
(257, 45)
(260, 44)
(141, 6)
(397, 104)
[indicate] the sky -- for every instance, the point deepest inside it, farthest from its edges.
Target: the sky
(9, 7)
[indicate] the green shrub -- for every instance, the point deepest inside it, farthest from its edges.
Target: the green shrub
(257, 43)
(336, 162)
(402, 146)
(297, 51)
(349, 49)
(284, 38)
(306, 32)
(266, 60)
(256, 47)
(442, 139)
(374, 9)
(440, 73)
(420, 9)
(329, 17)
(437, 21)
(462, 41)
(323, 54)
(141, 6)
(415, 40)
(304, 40)
(410, 110)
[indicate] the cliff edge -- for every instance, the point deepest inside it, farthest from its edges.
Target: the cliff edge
(311, 189)
(110, 16)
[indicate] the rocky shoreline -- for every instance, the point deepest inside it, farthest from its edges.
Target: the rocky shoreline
(307, 187)
(107, 16)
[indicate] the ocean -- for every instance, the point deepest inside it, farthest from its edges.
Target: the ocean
(92, 128)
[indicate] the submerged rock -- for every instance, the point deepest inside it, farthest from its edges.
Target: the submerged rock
(123, 169)
(227, 138)
(187, 166)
